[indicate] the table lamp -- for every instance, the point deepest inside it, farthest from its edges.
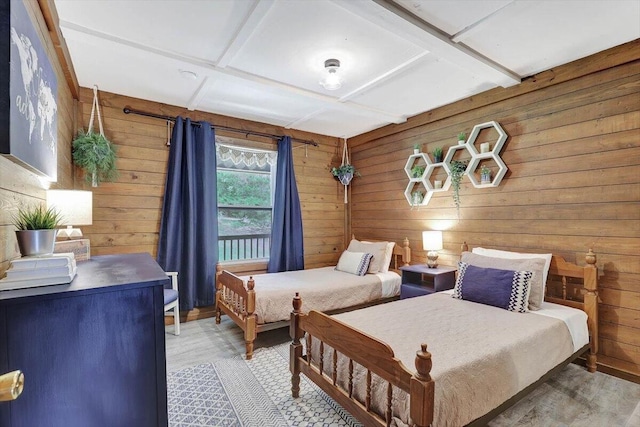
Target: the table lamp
(432, 243)
(75, 208)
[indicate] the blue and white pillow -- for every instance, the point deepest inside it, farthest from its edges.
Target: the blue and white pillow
(499, 288)
(354, 262)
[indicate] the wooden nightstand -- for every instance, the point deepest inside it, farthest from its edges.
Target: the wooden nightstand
(421, 280)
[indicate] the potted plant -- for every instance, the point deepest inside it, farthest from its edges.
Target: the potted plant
(416, 197)
(437, 154)
(96, 155)
(36, 230)
(416, 148)
(457, 168)
(462, 138)
(417, 171)
(485, 175)
(345, 173)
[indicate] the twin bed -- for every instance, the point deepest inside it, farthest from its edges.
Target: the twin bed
(471, 360)
(263, 302)
(489, 348)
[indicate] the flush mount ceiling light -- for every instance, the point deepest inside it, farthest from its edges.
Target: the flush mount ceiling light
(189, 75)
(332, 80)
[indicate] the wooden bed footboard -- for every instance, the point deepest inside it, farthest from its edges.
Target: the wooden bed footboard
(238, 301)
(373, 355)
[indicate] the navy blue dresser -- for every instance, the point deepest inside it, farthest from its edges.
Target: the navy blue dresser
(93, 351)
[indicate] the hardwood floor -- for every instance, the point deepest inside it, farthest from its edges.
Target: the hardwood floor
(572, 398)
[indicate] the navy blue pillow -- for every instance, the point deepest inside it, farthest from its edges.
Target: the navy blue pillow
(499, 288)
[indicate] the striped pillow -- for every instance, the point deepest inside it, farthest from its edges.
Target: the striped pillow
(354, 262)
(499, 288)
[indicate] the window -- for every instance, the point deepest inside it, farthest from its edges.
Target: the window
(246, 183)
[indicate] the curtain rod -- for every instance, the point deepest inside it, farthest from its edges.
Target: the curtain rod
(128, 110)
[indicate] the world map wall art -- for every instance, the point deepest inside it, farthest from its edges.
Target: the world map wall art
(32, 139)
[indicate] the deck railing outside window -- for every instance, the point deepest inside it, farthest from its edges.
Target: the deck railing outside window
(245, 234)
(243, 247)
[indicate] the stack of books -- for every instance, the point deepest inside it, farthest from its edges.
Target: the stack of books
(27, 272)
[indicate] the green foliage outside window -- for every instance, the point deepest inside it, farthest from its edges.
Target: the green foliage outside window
(237, 189)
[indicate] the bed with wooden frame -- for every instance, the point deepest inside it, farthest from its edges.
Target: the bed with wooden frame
(236, 298)
(568, 284)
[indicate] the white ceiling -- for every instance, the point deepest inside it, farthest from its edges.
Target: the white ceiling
(262, 60)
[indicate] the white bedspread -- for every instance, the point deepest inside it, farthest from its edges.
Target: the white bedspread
(320, 288)
(481, 355)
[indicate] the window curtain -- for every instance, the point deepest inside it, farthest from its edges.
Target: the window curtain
(287, 251)
(188, 240)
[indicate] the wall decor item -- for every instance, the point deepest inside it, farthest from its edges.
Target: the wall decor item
(484, 166)
(28, 95)
(346, 171)
(93, 152)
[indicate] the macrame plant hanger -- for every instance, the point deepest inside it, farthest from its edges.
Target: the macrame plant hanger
(95, 107)
(346, 178)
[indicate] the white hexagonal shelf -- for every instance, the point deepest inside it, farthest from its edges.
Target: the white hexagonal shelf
(433, 168)
(422, 187)
(476, 131)
(497, 178)
(451, 152)
(421, 159)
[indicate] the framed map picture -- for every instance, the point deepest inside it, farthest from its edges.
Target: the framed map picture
(32, 139)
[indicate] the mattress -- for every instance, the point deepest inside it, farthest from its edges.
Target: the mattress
(321, 289)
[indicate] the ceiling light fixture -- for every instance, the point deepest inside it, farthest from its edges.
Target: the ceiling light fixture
(189, 75)
(332, 81)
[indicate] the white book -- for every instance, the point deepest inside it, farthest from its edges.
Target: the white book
(47, 261)
(6, 284)
(36, 273)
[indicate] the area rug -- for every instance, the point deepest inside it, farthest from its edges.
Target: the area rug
(237, 392)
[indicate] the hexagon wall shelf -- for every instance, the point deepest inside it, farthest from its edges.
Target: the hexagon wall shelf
(493, 154)
(425, 183)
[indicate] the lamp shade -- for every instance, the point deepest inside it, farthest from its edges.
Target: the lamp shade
(432, 240)
(75, 206)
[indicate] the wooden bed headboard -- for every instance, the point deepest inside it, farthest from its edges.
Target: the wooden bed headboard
(577, 287)
(401, 253)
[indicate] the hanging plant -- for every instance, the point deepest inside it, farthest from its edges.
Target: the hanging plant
(457, 168)
(96, 155)
(345, 173)
(93, 152)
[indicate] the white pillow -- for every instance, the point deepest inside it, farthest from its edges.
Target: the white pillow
(377, 249)
(517, 255)
(387, 256)
(354, 262)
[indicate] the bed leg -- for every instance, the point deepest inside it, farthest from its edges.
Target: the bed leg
(218, 292)
(591, 307)
(249, 349)
(295, 349)
(591, 363)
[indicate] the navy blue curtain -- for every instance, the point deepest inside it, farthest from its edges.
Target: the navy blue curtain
(188, 240)
(287, 251)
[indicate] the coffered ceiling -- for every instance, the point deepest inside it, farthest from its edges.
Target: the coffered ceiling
(263, 60)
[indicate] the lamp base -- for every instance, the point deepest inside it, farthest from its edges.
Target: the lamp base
(69, 233)
(432, 259)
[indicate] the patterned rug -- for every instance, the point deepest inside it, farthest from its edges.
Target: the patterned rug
(237, 392)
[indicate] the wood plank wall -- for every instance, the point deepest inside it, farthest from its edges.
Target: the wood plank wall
(126, 216)
(20, 187)
(573, 155)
